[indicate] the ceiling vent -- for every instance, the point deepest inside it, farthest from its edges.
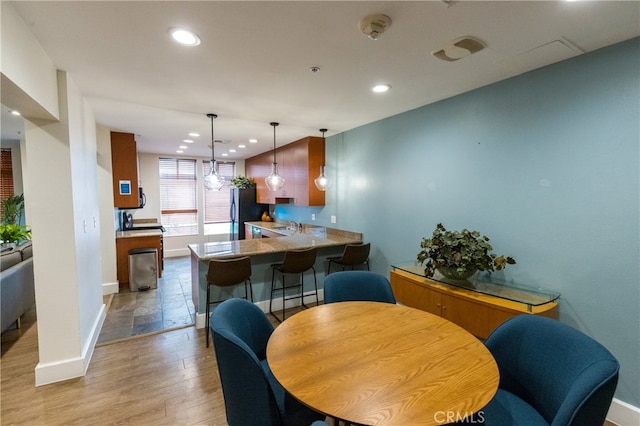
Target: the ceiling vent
(374, 25)
(458, 49)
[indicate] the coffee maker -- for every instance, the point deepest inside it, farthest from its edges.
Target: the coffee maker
(126, 221)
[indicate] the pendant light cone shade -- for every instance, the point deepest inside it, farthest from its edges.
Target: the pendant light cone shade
(321, 181)
(213, 181)
(274, 181)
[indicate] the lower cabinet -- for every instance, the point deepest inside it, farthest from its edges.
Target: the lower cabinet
(124, 245)
(477, 313)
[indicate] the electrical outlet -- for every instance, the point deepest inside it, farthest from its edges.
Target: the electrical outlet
(313, 216)
(333, 218)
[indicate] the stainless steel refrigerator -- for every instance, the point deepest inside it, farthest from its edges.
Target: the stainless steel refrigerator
(244, 209)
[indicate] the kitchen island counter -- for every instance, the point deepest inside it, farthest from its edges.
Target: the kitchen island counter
(263, 253)
(295, 241)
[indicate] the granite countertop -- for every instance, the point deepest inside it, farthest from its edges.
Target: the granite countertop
(139, 233)
(329, 237)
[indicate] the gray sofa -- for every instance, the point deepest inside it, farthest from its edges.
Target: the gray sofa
(16, 283)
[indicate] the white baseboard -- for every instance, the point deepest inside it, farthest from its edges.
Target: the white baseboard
(73, 367)
(309, 299)
(623, 414)
(110, 288)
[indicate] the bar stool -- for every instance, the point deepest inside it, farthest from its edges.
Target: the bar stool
(295, 262)
(353, 254)
(226, 273)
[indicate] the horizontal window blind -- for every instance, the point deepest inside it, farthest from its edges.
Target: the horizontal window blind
(6, 175)
(178, 200)
(218, 203)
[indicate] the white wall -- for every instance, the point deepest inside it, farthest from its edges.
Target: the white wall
(107, 226)
(61, 200)
(26, 68)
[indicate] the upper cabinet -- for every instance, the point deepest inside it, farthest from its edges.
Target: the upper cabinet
(124, 170)
(259, 167)
(309, 153)
(299, 164)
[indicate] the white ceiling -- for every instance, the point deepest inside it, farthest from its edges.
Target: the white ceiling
(253, 65)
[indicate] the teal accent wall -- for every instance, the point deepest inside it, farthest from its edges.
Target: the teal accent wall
(546, 164)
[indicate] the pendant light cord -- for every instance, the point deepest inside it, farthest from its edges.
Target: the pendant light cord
(274, 124)
(323, 152)
(213, 141)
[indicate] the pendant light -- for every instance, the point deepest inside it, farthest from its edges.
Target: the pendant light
(321, 181)
(213, 181)
(274, 180)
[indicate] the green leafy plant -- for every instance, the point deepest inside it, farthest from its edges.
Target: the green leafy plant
(242, 182)
(12, 233)
(12, 209)
(459, 254)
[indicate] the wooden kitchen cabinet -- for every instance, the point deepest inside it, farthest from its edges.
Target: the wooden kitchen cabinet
(248, 232)
(299, 164)
(309, 153)
(259, 167)
(475, 311)
(124, 168)
(286, 165)
(124, 245)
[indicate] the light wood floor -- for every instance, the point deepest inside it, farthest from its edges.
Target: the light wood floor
(168, 378)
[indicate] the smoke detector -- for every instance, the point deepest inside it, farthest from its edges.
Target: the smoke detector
(374, 25)
(458, 49)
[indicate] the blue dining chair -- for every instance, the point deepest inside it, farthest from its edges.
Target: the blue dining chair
(252, 395)
(550, 373)
(348, 286)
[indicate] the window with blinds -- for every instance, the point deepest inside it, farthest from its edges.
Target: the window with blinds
(218, 203)
(6, 175)
(178, 199)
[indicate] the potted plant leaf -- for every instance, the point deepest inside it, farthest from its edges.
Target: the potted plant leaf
(12, 234)
(459, 254)
(13, 209)
(242, 182)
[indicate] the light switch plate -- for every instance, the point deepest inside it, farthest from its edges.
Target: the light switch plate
(333, 218)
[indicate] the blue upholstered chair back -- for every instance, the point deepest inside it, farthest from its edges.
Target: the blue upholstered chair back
(252, 395)
(565, 375)
(367, 286)
(240, 333)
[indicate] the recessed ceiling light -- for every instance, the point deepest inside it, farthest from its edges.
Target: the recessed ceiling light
(182, 147)
(194, 134)
(179, 151)
(225, 155)
(232, 150)
(253, 140)
(187, 141)
(185, 37)
(242, 146)
(14, 112)
(381, 88)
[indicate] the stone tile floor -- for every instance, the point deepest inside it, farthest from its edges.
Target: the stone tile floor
(169, 306)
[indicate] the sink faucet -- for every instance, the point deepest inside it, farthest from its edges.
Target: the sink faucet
(295, 226)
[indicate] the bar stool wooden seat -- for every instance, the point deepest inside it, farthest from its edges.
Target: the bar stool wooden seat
(295, 262)
(353, 255)
(226, 273)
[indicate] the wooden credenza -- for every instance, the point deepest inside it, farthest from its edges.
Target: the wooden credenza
(479, 311)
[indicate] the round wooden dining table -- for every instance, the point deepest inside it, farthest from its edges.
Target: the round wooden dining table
(376, 363)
